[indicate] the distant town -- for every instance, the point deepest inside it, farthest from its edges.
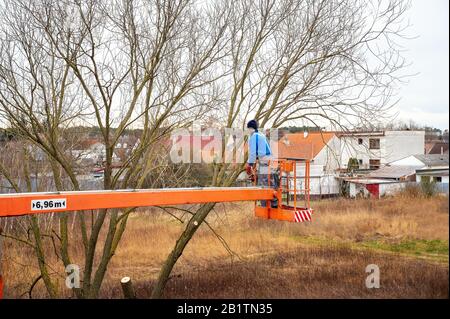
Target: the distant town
(357, 163)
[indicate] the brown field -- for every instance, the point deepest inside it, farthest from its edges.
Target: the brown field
(407, 237)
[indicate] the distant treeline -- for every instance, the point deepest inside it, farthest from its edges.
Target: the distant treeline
(7, 134)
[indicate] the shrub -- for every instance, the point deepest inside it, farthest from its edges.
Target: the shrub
(412, 190)
(428, 186)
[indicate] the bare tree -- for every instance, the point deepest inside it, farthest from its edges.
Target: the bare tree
(314, 61)
(114, 65)
(162, 64)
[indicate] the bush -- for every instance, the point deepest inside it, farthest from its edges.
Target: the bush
(412, 190)
(352, 164)
(428, 186)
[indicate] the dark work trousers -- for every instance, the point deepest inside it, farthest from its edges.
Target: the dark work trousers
(263, 180)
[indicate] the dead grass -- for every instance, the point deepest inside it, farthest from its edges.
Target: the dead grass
(407, 237)
(313, 272)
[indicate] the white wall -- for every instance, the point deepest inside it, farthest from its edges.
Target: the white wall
(400, 144)
(409, 161)
(350, 148)
(387, 189)
(445, 179)
(323, 185)
(391, 189)
(321, 182)
(394, 145)
(329, 155)
(356, 189)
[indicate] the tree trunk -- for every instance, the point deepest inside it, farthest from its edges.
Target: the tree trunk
(49, 285)
(127, 288)
(177, 251)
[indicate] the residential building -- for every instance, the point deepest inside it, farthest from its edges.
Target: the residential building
(386, 180)
(436, 175)
(322, 149)
(396, 175)
(433, 167)
(421, 161)
(373, 187)
(375, 149)
(330, 153)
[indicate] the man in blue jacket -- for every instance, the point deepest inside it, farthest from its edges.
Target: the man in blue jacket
(259, 149)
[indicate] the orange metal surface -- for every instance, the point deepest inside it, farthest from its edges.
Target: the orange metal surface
(274, 213)
(289, 212)
(283, 213)
(21, 204)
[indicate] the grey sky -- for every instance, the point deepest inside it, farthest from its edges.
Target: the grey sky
(425, 99)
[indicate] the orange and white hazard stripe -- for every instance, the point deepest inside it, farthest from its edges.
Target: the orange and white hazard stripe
(302, 215)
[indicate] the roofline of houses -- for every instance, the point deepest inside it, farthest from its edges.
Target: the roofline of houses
(362, 180)
(358, 133)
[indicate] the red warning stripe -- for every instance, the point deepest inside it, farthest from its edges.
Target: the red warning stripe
(301, 216)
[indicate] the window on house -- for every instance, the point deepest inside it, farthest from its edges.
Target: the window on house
(438, 179)
(360, 141)
(374, 163)
(360, 164)
(374, 143)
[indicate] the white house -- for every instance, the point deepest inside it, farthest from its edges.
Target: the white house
(398, 174)
(375, 149)
(439, 176)
(436, 161)
(386, 180)
(373, 187)
(431, 166)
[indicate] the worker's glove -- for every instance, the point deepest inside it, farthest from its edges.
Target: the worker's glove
(249, 168)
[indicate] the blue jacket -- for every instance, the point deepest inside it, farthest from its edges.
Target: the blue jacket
(258, 147)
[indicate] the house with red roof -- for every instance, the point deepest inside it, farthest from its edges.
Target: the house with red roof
(322, 149)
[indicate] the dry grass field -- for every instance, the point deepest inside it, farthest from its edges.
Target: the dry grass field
(407, 237)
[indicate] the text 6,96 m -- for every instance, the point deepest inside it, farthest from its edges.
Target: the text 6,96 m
(46, 204)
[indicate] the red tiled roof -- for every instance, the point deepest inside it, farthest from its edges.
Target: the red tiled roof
(298, 146)
(436, 147)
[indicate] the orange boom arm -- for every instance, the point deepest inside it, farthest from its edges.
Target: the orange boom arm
(34, 203)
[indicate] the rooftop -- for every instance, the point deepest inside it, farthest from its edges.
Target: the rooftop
(300, 145)
(432, 172)
(367, 181)
(436, 147)
(432, 160)
(394, 171)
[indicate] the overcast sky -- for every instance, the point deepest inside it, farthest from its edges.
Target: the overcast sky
(425, 99)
